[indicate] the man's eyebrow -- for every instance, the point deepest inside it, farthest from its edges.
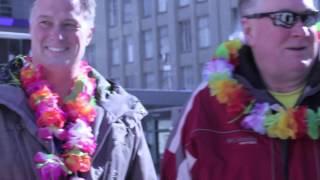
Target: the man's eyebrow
(43, 17)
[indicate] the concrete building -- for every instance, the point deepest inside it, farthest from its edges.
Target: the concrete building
(154, 48)
(157, 49)
(160, 44)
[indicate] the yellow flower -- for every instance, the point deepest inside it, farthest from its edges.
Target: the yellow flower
(224, 90)
(285, 127)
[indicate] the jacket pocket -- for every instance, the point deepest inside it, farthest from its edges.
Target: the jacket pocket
(229, 155)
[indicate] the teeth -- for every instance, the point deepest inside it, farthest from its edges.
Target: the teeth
(56, 49)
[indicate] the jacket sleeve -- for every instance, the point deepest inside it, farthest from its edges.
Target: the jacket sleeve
(179, 158)
(142, 167)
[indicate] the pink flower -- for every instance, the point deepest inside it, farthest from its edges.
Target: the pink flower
(50, 166)
(80, 137)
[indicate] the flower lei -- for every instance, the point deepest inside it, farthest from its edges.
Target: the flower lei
(66, 120)
(263, 118)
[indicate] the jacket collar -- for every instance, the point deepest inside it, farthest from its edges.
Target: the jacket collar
(113, 102)
(248, 70)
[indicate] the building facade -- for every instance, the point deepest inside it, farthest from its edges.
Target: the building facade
(157, 49)
(154, 48)
(160, 44)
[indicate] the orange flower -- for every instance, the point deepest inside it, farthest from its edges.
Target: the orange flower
(81, 108)
(78, 162)
(29, 75)
(239, 101)
(39, 95)
(51, 117)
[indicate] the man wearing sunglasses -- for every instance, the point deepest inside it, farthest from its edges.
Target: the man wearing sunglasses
(258, 114)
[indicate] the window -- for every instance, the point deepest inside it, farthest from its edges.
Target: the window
(184, 2)
(150, 80)
(163, 42)
(113, 12)
(5, 8)
(187, 77)
(162, 6)
(130, 81)
(166, 77)
(127, 11)
(201, 0)
(129, 49)
(115, 52)
(90, 54)
(203, 32)
(185, 35)
(148, 44)
(147, 8)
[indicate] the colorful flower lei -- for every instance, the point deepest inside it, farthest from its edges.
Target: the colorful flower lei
(67, 120)
(263, 118)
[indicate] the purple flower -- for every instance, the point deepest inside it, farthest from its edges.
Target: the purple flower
(50, 166)
(255, 120)
(80, 137)
(217, 66)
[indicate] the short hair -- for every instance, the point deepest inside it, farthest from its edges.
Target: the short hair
(87, 7)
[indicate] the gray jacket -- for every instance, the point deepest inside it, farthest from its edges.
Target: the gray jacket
(122, 151)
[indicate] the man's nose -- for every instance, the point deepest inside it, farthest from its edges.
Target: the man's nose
(300, 30)
(56, 33)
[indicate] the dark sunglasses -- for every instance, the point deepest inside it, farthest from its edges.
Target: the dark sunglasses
(288, 19)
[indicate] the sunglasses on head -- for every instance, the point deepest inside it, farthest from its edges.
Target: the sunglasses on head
(288, 19)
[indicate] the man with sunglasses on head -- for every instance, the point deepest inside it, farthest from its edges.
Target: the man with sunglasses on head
(257, 115)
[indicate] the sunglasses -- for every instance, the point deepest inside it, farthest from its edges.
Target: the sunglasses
(287, 19)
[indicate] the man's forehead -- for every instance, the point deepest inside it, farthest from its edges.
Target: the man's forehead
(58, 6)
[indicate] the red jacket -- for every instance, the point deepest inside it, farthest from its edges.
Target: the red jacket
(204, 146)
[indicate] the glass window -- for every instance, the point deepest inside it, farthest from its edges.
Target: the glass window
(185, 36)
(90, 54)
(148, 44)
(147, 7)
(162, 5)
(203, 32)
(187, 77)
(163, 42)
(113, 8)
(150, 80)
(6, 8)
(130, 81)
(166, 77)
(115, 51)
(129, 49)
(184, 2)
(127, 11)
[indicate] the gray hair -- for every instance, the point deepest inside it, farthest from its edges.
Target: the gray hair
(87, 7)
(244, 7)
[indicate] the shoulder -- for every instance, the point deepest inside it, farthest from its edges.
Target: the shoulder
(117, 101)
(10, 72)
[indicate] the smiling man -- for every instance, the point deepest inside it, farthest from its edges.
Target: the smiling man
(59, 118)
(257, 114)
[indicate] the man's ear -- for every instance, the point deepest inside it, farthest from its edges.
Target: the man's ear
(247, 30)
